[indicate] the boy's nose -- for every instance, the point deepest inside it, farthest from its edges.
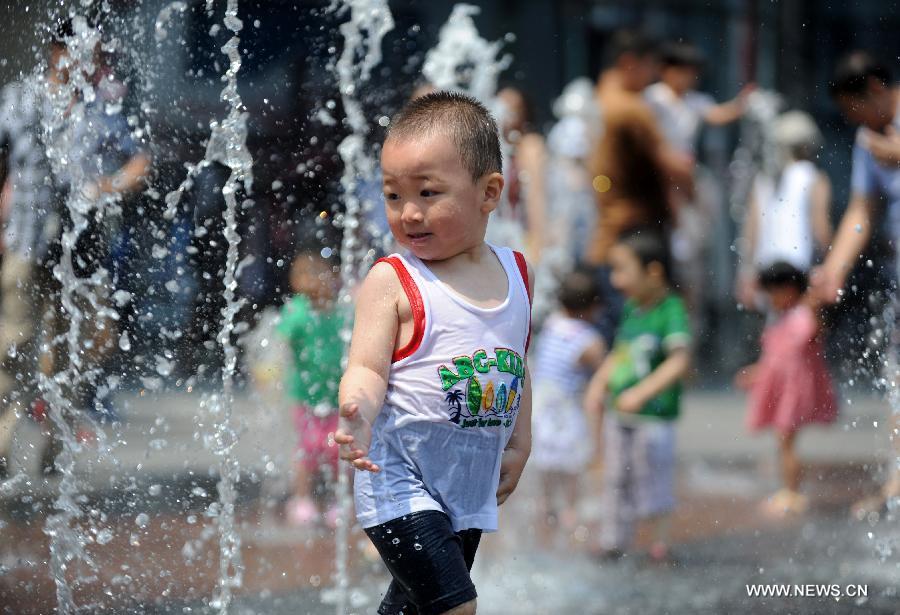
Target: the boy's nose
(411, 212)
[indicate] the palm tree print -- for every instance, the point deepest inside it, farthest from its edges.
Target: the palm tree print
(455, 399)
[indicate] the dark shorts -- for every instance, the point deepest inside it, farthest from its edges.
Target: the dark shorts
(428, 561)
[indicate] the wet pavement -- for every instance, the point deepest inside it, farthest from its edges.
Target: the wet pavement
(155, 550)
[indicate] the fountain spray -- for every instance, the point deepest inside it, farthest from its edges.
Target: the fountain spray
(369, 21)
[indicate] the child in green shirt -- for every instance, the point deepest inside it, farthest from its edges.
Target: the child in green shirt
(311, 325)
(640, 382)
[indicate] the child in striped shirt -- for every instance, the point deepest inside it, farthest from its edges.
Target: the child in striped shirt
(567, 353)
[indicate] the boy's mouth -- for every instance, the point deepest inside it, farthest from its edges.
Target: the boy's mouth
(418, 236)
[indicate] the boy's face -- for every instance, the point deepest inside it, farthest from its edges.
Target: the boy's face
(313, 278)
(58, 69)
(638, 71)
(874, 109)
(631, 277)
(434, 208)
(784, 297)
(680, 78)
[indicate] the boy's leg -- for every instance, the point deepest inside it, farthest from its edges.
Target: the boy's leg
(17, 331)
(396, 596)
(790, 464)
(429, 563)
(655, 477)
(617, 526)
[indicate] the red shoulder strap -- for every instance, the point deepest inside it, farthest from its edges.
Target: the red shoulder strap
(523, 271)
(415, 302)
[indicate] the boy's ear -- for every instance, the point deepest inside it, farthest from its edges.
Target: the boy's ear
(655, 268)
(493, 189)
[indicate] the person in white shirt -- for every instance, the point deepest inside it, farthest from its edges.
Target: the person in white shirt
(679, 107)
(788, 218)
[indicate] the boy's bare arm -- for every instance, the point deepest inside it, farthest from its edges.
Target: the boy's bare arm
(728, 112)
(593, 355)
(665, 375)
(364, 383)
(517, 450)
(596, 390)
(820, 212)
(851, 238)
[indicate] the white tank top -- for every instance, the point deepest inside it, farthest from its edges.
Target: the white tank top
(785, 226)
(451, 404)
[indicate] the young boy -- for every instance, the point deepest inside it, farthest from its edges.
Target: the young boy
(311, 325)
(680, 109)
(436, 374)
(642, 377)
(567, 353)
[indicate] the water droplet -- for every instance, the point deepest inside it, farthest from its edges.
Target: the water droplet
(396, 541)
(858, 228)
(142, 520)
(104, 536)
(155, 489)
(417, 547)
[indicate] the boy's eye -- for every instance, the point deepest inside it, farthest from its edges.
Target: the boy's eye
(390, 196)
(428, 193)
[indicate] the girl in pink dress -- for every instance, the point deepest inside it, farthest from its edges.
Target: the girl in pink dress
(790, 385)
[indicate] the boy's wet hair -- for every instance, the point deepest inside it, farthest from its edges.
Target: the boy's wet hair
(681, 54)
(579, 291)
(649, 246)
(635, 42)
(852, 72)
(465, 120)
(781, 274)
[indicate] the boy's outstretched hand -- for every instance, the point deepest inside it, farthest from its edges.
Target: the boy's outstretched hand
(511, 466)
(354, 435)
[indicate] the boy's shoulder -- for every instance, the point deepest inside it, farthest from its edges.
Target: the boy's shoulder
(296, 304)
(670, 305)
(673, 302)
(385, 272)
(383, 281)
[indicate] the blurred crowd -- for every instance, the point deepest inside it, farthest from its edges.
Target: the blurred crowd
(609, 205)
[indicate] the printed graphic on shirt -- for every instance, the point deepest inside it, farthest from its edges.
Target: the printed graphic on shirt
(483, 390)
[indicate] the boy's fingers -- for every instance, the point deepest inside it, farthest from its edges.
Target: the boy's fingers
(349, 410)
(365, 464)
(351, 454)
(342, 438)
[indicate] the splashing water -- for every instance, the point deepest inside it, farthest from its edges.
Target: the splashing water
(59, 128)
(463, 59)
(757, 151)
(369, 21)
(228, 146)
(165, 15)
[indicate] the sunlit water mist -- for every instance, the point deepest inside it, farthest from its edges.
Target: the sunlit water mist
(64, 113)
(228, 146)
(367, 24)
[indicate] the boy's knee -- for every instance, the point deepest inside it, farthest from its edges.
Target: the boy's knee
(463, 609)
